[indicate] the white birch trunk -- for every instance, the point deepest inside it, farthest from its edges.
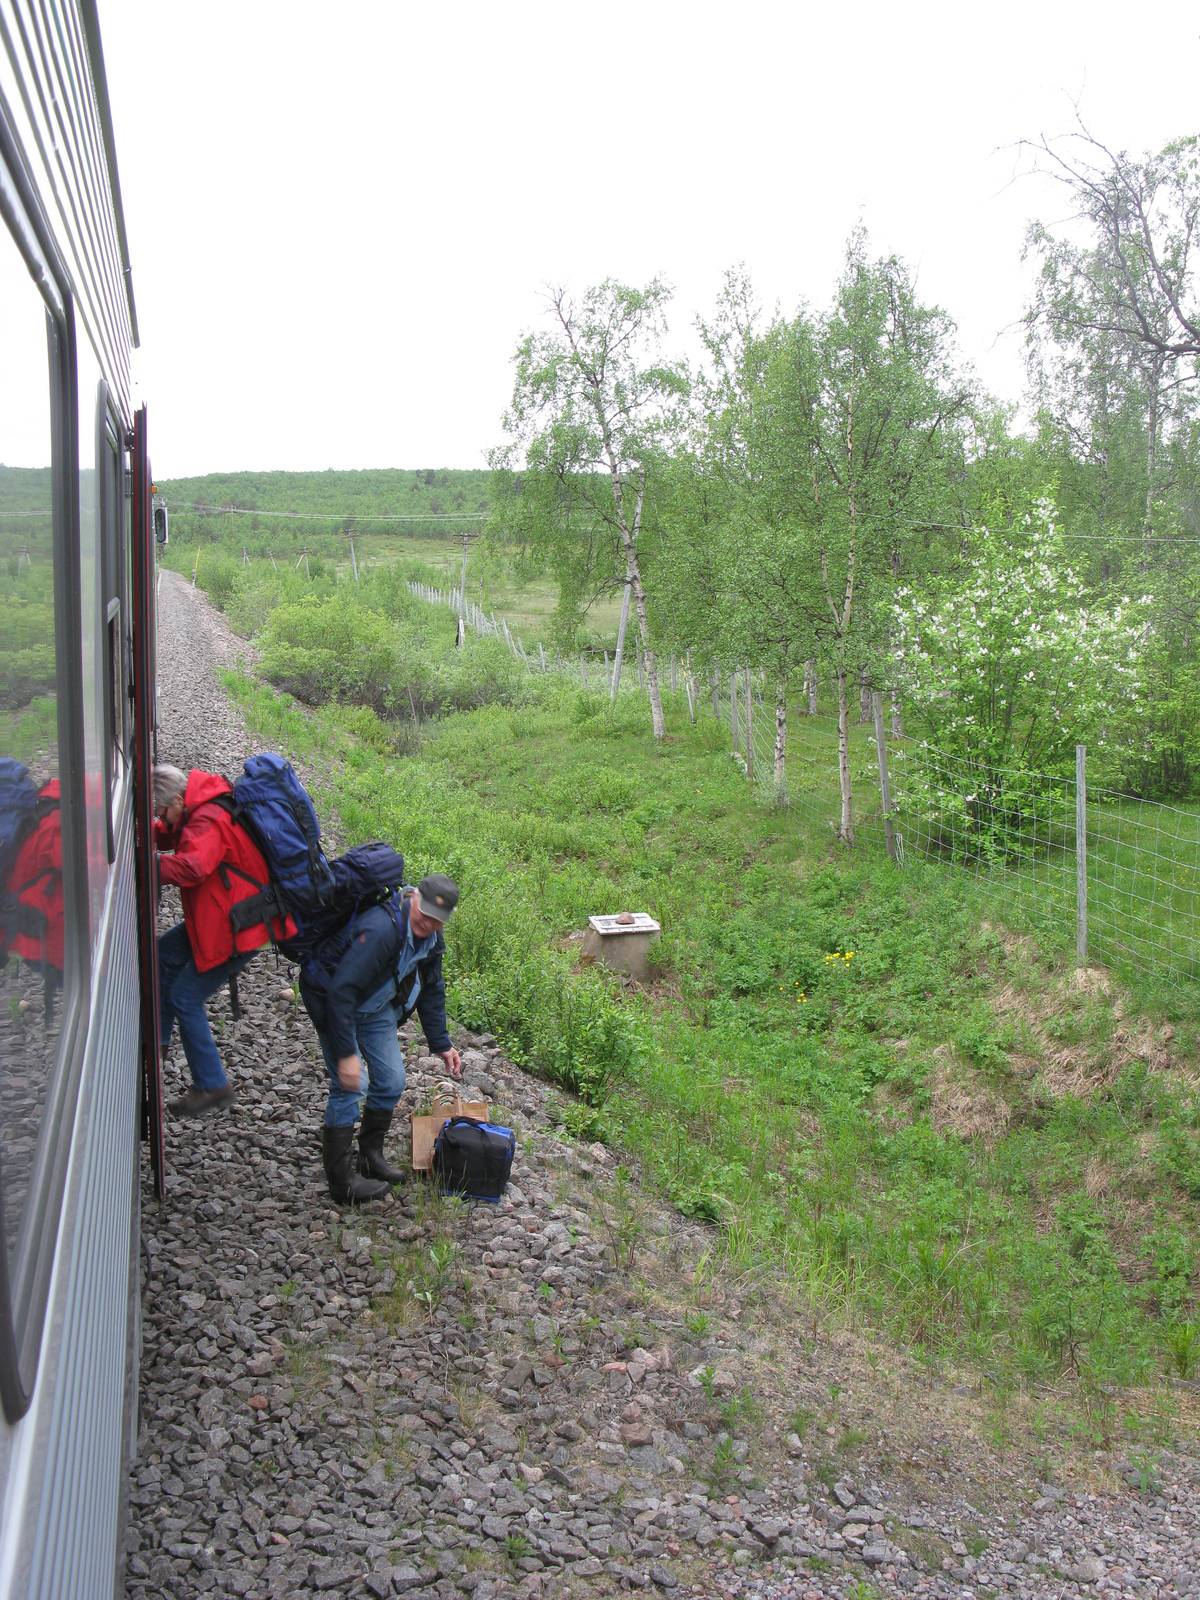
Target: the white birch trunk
(629, 540)
(620, 654)
(689, 683)
(781, 742)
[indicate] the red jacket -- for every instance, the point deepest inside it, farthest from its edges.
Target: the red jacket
(36, 880)
(207, 839)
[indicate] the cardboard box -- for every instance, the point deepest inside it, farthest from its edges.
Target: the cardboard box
(447, 1102)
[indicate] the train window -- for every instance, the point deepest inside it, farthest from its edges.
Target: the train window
(34, 951)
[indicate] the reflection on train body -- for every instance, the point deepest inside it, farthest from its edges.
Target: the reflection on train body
(31, 931)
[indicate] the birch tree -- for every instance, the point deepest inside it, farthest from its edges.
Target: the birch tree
(848, 434)
(1114, 327)
(595, 412)
(1114, 337)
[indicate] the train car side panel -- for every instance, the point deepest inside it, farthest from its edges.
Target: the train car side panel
(71, 1453)
(70, 1006)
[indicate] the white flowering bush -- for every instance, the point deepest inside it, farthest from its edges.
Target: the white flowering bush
(1005, 668)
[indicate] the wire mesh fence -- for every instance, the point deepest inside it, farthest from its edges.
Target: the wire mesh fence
(1117, 874)
(1143, 883)
(592, 670)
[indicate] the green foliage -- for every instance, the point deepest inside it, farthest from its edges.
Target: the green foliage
(369, 646)
(1006, 667)
(27, 663)
(798, 998)
(595, 414)
(1182, 1344)
(336, 649)
(286, 513)
(585, 1122)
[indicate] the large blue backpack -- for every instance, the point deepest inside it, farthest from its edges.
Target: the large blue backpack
(273, 806)
(20, 811)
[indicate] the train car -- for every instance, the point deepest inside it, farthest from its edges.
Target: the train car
(78, 1058)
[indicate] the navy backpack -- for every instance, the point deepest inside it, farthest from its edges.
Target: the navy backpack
(366, 875)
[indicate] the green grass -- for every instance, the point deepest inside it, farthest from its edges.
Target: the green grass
(30, 734)
(1143, 861)
(526, 604)
(819, 1020)
(1143, 889)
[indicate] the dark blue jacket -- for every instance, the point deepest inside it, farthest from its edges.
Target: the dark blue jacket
(353, 964)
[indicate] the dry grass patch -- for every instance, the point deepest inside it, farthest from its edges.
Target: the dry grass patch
(1081, 1033)
(963, 1102)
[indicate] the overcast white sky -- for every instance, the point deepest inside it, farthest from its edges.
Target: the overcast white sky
(342, 218)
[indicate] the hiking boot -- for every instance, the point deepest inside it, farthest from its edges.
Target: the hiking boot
(345, 1185)
(201, 1102)
(372, 1162)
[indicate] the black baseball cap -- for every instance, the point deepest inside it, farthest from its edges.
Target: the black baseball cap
(437, 896)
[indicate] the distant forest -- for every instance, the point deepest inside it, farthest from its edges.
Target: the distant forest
(248, 507)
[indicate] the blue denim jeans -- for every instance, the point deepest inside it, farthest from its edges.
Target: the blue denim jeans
(183, 992)
(379, 1049)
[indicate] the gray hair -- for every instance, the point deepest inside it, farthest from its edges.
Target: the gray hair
(169, 784)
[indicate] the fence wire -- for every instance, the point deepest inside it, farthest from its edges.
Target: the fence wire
(1119, 874)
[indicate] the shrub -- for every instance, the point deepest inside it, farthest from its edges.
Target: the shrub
(1006, 668)
(481, 673)
(332, 649)
(217, 574)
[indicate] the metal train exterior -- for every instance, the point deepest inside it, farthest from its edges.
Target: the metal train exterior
(76, 706)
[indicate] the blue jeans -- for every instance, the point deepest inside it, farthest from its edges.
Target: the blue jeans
(379, 1048)
(182, 995)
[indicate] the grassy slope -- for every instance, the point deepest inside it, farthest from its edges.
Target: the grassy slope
(324, 500)
(865, 1076)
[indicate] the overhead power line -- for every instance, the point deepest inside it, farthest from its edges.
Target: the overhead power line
(328, 516)
(480, 516)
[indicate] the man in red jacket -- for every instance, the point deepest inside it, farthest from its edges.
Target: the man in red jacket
(36, 886)
(33, 927)
(215, 864)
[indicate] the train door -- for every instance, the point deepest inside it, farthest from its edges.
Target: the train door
(144, 701)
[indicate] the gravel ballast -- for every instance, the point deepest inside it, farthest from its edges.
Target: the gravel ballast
(551, 1397)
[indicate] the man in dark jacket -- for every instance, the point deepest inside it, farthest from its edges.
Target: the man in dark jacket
(386, 964)
(215, 864)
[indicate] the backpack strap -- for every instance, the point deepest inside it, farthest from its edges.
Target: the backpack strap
(263, 906)
(227, 870)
